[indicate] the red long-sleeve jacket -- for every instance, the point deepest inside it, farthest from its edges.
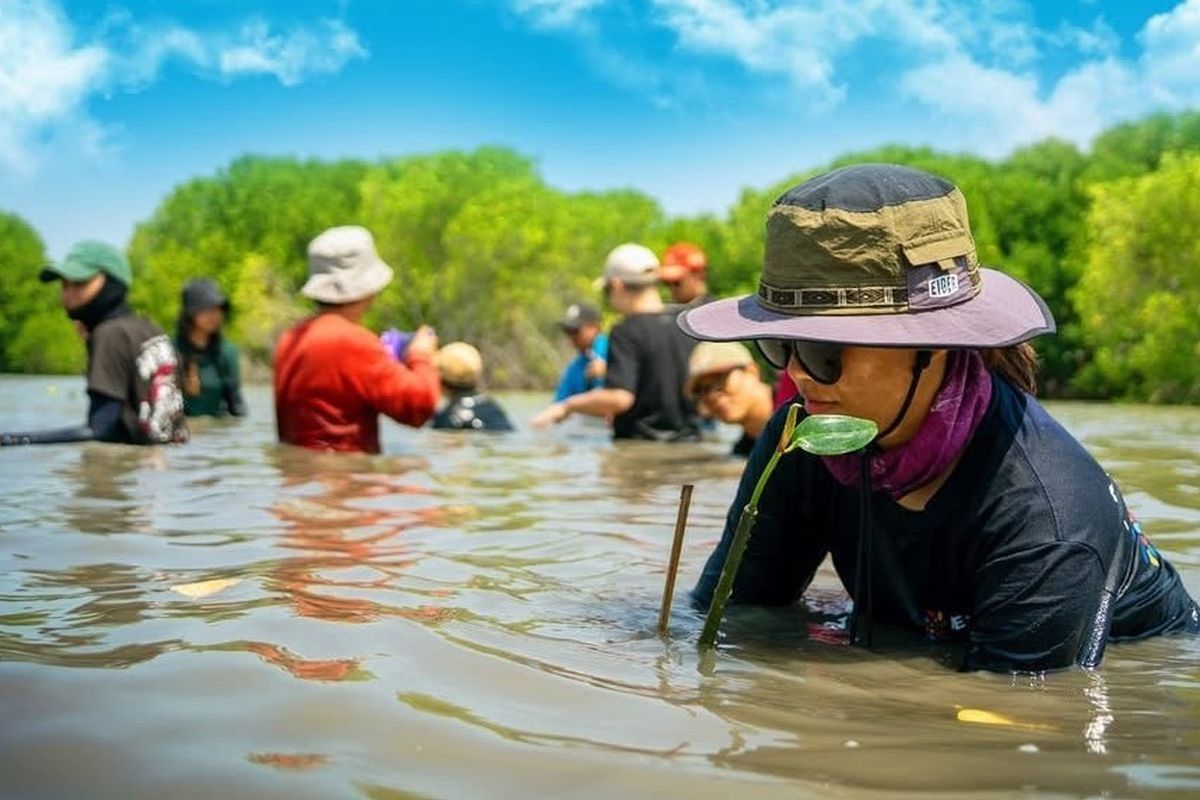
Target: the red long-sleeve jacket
(333, 379)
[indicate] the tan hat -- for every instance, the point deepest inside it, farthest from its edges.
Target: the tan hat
(459, 365)
(712, 357)
(879, 255)
(632, 264)
(343, 266)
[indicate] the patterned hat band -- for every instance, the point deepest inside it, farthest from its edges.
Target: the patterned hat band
(928, 286)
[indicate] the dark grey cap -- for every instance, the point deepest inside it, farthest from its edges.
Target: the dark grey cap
(203, 293)
(578, 315)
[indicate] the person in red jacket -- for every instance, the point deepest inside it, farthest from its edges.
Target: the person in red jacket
(333, 377)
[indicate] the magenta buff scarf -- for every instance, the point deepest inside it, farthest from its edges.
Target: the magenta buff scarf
(953, 417)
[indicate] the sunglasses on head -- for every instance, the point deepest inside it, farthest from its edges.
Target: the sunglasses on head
(821, 360)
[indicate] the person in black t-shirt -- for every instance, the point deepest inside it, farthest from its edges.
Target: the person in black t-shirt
(467, 409)
(647, 359)
(973, 516)
(132, 369)
(724, 380)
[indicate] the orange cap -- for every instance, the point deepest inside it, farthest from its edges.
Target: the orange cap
(681, 258)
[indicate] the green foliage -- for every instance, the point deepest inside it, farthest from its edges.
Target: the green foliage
(1139, 298)
(486, 251)
(1135, 148)
(35, 334)
(209, 227)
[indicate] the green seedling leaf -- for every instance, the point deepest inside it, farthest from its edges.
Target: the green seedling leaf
(832, 434)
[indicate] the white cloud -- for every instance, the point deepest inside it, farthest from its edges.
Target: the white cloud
(1009, 108)
(974, 66)
(291, 56)
(1171, 43)
(42, 90)
(555, 13)
(47, 74)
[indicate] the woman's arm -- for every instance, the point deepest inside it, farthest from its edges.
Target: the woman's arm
(1035, 608)
(231, 389)
(104, 424)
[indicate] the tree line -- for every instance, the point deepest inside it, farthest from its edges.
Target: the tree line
(486, 251)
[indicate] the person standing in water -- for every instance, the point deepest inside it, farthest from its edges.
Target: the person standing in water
(333, 377)
(211, 373)
(467, 409)
(974, 516)
(724, 381)
(684, 272)
(133, 394)
(581, 323)
(647, 359)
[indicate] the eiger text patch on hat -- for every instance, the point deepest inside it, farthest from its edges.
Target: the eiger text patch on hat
(875, 254)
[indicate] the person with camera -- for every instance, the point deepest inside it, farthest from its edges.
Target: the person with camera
(333, 377)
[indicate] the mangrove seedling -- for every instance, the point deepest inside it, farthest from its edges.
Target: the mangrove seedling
(819, 434)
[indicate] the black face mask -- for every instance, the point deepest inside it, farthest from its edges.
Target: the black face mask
(108, 303)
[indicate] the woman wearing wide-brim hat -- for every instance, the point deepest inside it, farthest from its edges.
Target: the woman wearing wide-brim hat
(973, 516)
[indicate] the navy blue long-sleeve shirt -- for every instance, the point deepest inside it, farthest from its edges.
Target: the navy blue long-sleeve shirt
(1012, 556)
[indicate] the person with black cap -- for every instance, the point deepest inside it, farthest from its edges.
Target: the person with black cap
(132, 369)
(211, 374)
(973, 517)
(647, 359)
(581, 324)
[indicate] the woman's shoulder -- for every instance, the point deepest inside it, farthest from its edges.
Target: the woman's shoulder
(1043, 481)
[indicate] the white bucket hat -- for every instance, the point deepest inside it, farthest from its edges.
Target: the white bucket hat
(343, 266)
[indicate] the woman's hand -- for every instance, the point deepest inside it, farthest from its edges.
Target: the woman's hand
(424, 344)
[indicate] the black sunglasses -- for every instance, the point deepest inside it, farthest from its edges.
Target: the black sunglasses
(821, 360)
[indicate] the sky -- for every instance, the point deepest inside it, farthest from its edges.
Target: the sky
(106, 106)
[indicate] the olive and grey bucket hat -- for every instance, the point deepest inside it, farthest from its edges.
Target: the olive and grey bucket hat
(875, 255)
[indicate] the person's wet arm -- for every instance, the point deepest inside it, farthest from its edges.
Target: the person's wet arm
(104, 424)
(600, 402)
(408, 393)
(1035, 608)
(232, 387)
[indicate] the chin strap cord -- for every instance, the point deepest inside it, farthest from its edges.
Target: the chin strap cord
(865, 559)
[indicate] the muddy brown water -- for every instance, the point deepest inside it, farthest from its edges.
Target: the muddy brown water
(473, 616)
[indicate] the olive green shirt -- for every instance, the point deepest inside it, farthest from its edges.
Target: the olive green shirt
(219, 392)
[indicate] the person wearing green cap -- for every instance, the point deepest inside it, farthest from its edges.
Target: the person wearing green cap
(133, 393)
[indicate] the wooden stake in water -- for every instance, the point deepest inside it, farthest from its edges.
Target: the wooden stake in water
(685, 505)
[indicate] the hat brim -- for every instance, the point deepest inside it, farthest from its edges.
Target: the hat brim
(1004, 313)
(336, 289)
(68, 270)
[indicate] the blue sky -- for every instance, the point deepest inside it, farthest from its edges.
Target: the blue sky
(104, 106)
